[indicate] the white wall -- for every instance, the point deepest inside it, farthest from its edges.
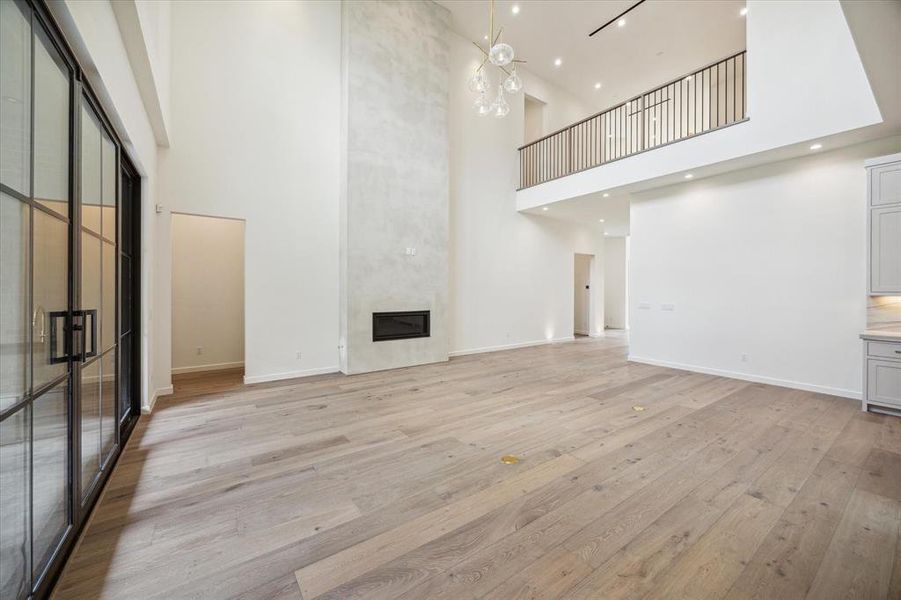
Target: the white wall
(615, 283)
(767, 263)
(803, 83)
(255, 115)
(207, 293)
(533, 119)
(511, 273)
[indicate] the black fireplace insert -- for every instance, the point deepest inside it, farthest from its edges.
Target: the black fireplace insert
(400, 325)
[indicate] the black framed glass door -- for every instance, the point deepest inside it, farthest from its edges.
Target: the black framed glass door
(62, 420)
(129, 297)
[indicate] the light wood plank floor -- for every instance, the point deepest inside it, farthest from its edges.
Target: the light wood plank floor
(389, 485)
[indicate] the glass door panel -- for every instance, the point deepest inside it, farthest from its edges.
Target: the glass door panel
(51, 128)
(125, 383)
(15, 505)
(90, 294)
(91, 176)
(90, 373)
(108, 302)
(50, 298)
(108, 404)
(50, 462)
(14, 280)
(90, 425)
(108, 175)
(15, 90)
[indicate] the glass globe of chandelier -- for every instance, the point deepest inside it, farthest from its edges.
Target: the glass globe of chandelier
(489, 99)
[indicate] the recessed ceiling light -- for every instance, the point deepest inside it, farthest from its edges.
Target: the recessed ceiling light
(605, 233)
(743, 11)
(515, 9)
(558, 62)
(816, 146)
(688, 78)
(688, 176)
(606, 195)
(597, 86)
(544, 208)
(485, 38)
(621, 23)
(600, 220)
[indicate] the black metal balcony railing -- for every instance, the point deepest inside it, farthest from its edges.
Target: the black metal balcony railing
(700, 102)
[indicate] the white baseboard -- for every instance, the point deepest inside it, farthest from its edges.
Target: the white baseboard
(163, 391)
(210, 367)
(509, 346)
(797, 385)
(289, 375)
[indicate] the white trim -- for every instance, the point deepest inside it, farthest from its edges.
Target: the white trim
(289, 375)
(163, 391)
(797, 385)
(881, 160)
(209, 367)
(484, 349)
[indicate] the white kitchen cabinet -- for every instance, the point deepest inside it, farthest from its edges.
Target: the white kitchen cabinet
(884, 225)
(882, 371)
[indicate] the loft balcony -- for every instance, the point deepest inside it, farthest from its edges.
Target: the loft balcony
(795, 88)
(705, 100)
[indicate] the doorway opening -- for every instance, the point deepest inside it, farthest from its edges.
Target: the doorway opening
(582, 294)
(207, 297)
(616, 269)
(533, 116)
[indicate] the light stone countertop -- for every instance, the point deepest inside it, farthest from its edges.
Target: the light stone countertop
(882, 335)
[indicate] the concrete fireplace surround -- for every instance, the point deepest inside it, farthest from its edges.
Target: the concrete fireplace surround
(394, 199)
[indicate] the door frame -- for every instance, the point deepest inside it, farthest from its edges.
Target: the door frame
(590, 301)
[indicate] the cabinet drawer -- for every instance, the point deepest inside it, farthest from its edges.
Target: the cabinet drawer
(884, 350)
(884, 382)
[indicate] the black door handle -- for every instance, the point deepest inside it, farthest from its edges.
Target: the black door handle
(55, 317)
(86, 314)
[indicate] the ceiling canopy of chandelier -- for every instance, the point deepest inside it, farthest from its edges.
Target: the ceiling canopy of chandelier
(500, 55)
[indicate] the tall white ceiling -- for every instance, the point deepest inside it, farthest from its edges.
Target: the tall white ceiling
(661, 40)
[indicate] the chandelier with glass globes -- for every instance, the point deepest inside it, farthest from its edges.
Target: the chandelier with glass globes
(500, 55)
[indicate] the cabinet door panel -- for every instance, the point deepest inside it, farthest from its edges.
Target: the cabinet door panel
(884, 382)
(885, 250)
(885, 184)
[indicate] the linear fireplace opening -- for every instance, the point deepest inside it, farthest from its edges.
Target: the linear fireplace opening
(400, 325)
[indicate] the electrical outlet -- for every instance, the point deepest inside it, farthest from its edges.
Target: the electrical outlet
(744, 358)
(299, 354)
(199, 350)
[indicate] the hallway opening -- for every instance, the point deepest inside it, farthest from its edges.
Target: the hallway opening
(207, 295)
